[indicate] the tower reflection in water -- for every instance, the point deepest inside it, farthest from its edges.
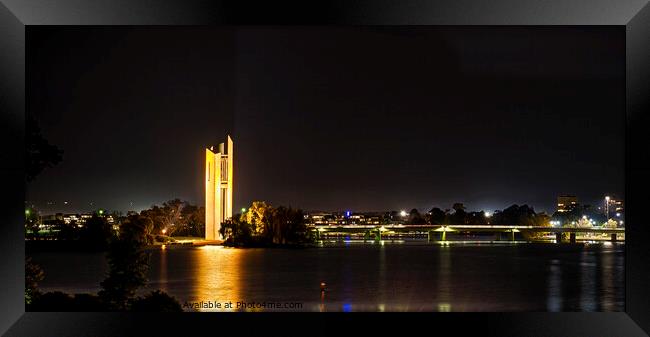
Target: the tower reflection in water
(218, 277)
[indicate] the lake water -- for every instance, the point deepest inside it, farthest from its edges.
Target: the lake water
(406, 276)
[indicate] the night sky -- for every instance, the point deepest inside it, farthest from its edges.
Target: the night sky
(336, 118)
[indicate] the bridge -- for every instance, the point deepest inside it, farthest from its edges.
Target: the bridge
(439, 232)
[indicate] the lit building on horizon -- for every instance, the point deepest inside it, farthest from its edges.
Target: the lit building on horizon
(566, 203)
(613, 208)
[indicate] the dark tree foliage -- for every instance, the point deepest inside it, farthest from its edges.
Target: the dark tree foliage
(128, 263)
(285, 226)
(59, 301)
(459, 217)
(192, 221)
(239, 232)
(33, 274)
(69, 231)
(476, 218)
(96, 233)
(516, 215)
(39, 153)
(156, 301)
(415, 218)
(32, 220)
(278, 226)
(53, 301)
(437, 216)
(177, 218)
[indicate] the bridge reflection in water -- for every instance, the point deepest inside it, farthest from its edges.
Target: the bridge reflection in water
(407, 276)
(370, 276)
(500, 232)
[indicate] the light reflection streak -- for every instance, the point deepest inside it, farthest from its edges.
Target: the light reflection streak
(163, 270)
(554, 300)
(218, 276)
(587, 280)
(444, 290)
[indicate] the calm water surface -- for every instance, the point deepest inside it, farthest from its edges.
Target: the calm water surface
(410, 276)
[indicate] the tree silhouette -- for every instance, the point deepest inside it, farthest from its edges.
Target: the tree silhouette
(39, 153)
(437, 216)
(128, 263)
(33, 274)
(415, 218)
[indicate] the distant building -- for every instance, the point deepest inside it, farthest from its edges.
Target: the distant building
(566, 203)
(344, 218)
(614, 207)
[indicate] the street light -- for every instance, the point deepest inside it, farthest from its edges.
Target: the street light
(402, 213)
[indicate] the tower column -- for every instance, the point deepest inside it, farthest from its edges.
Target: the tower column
(218, 189)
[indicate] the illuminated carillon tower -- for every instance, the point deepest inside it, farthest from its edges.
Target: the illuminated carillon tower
(218, 188)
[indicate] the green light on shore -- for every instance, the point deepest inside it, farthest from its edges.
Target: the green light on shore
(26, 212)
(243, 210)
(101, 211)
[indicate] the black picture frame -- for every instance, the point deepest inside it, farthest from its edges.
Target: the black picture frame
(16, 15)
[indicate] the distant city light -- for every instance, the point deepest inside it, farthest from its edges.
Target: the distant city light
(584, 217)
(607, 198)
(101, 211)
(26, 212)
(402, 213)
(164, 231)
(487, 214)
(618, 214)
(347, 213)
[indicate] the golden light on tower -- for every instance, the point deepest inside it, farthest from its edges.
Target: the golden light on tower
(218, 188)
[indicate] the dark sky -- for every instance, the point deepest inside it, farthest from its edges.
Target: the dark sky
(332, 118)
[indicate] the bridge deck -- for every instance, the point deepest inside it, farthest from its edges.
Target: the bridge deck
(465, 228)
